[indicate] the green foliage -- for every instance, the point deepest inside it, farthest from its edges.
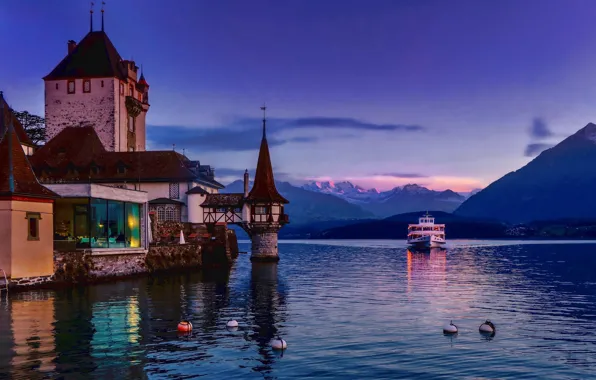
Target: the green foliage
(35, 126)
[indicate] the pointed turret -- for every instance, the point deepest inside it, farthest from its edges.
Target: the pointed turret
(264, 189)
(16, 176)
(263, 210)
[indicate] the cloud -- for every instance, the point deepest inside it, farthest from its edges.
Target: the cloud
(245, 134)
(236, 174)
(539, 130)
(401, 175)
(349, 123)
(535, 149)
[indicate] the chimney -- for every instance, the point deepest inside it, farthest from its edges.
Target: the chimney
(246, 183)
(71, 46)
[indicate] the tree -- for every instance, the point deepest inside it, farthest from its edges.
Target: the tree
(34, 126)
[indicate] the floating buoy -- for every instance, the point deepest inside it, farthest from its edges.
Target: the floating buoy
(232, 323)
(185, 326)
(450, 328)
(279, 344)
(487, 327)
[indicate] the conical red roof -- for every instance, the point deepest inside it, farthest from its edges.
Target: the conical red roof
(16, 175)
(263, 189)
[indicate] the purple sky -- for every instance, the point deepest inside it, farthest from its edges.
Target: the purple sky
(449, 94)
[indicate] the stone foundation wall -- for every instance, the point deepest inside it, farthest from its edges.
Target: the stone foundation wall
(264, 245)
(83, 267)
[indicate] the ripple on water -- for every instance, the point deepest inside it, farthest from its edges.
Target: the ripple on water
(347, 310)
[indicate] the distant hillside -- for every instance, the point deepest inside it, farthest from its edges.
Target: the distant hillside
(396, 227)
(559, 183)
(398, 200)
(308, 207)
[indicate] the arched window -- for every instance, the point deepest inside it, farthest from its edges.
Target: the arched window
(161, 214)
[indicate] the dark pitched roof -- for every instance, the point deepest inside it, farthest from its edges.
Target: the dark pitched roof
(77, 155)
(165, 201)
(6, 117)
(197, 190)
(16, 175)
(263, 189)
(94, 57)
(223, 200)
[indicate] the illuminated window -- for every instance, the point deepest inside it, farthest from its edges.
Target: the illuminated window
(33, 225)
(261, 210)
(71, 86)
(86, 85)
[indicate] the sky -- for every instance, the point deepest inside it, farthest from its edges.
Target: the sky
(445, 94)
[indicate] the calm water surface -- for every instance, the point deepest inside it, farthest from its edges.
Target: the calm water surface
(348, 309)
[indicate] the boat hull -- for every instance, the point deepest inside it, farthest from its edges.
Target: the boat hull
(426, 242)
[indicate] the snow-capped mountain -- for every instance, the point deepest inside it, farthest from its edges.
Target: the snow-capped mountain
(401, 199)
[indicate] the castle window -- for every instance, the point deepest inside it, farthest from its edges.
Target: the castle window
(261, 210)
(57, 86)
(94, 170)
(33, 225)
(131, 90)
(121, 88)
(71, 86)
(87, 85)
(101, 83)
(131, 149)
(174, 190)
(131, 123)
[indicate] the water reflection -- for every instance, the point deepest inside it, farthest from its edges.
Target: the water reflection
(26, 325)
(267, 310)
(428, 267)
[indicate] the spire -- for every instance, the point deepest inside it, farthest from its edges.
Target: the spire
(102, 5)
(264, 108)
(91, 17)
(264, 189)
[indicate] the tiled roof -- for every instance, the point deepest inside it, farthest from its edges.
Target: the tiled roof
(6, 117)
(59, 160)
(197, 190)
(77, 155)
(94, 57)
(16, 175)
(263, 189)
(165, 201)
(223, 200)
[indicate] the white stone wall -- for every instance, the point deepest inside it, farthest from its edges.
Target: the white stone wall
(195, 211)
(95, 108)
(103, 107)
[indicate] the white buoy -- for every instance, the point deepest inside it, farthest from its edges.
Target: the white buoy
(450, 328)
(487, 327)
(232, 323)
(279, 344)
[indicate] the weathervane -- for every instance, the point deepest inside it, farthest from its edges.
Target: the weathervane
(91, 17)
(264, 108)
(103, 3)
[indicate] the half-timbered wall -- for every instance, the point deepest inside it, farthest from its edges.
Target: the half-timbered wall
(222, 215)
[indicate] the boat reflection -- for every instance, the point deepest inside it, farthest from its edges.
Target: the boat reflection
(426, 268)
(266, 308)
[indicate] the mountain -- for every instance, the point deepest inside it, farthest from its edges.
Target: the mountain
(399, 200)
(307, 206)
(559, 183)
(396, 227)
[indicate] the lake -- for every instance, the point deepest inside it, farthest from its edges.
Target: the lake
(348, 310)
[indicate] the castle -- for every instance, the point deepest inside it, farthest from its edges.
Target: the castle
(99, 180)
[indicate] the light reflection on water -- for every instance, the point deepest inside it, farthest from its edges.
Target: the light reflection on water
(347, 310)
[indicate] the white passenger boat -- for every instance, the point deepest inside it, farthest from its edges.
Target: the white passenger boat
(426, 233)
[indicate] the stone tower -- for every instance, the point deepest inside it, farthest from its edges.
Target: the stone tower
(264, 207)
(94, 86)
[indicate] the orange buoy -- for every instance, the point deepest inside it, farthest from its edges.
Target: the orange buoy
(185, 326)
